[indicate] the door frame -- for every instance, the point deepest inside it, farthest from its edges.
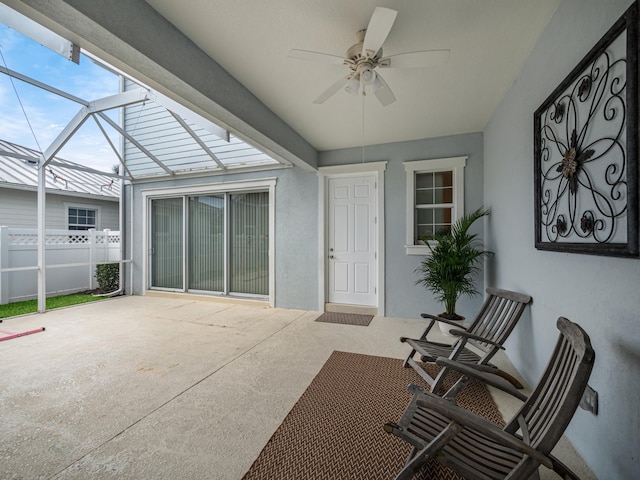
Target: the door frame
(377, 170)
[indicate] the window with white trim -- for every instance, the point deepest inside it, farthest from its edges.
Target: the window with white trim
(80, 218)
(435, 199)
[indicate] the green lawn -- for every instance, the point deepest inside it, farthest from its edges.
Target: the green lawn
(31, 306)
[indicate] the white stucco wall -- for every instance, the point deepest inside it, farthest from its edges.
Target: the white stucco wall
(599, 293)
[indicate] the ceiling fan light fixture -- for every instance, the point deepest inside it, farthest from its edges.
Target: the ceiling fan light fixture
(373, 86)
(353, 85)
(367, 76)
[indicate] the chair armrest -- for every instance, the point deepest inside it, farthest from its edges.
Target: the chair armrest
(432, 321)
(471, 336)
(455, 323)
(475, 371)
(481, 425)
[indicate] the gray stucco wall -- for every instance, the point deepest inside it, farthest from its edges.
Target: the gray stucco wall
(297, 240)
(599, 293)
(403, 297)
(296, 198)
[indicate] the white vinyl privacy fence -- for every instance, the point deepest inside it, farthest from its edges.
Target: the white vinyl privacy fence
(71, 258)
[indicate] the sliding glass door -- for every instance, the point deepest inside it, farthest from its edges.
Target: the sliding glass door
(226, 246)
(206, 243)
(167, 269)
(249, 243)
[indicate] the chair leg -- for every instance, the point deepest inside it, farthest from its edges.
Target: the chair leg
(410, 356)
(439, 380)
(427, 378)
(428, 452)
(562, 470)
(411, 467)
(412, 454)
(456, 388)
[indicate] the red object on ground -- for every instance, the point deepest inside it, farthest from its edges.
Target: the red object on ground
(10, 335)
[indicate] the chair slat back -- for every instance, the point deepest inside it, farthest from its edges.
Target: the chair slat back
(498, 316)
(549, 409)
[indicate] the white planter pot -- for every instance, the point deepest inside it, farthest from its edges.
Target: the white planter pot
(445, 327)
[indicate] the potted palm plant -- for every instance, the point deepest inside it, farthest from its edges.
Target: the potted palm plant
(455, 257)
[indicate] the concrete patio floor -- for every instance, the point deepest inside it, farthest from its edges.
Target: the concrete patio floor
(180, 387)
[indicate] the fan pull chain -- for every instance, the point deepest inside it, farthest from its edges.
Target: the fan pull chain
(363, 127)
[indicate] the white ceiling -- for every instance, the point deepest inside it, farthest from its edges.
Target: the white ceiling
(489, 41)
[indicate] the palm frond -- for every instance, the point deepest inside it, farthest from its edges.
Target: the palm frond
(453, 261)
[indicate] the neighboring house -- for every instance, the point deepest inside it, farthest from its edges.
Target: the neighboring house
(76, 199)
(307, 207)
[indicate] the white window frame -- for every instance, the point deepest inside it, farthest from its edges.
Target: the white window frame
(453, 164)
(68, 205)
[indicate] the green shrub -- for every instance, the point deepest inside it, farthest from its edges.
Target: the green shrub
(108, 276)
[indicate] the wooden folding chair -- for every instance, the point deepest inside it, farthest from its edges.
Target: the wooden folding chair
(477, 448)
(488, 331)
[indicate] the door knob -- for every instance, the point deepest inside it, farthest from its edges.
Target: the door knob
(330, 256)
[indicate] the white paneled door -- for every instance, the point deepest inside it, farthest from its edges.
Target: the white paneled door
(351, 246)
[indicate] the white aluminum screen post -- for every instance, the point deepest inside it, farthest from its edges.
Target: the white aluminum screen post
(42, 203)
(4, 263)
(93, 255)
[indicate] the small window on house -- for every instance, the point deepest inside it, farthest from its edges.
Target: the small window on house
(82, 218)
(435, 196)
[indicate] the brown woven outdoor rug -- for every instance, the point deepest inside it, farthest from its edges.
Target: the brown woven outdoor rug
(335, 431)
(345, 318)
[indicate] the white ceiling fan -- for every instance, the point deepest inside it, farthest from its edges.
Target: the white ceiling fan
(365, 57)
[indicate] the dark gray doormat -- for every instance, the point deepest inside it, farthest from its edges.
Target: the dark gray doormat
(345, 318)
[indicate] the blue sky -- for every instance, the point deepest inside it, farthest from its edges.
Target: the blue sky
(49, 113)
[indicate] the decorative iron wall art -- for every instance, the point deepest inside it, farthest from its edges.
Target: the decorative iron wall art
(586, 151)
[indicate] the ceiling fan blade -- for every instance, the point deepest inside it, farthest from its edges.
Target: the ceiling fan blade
(332, 90)
(316, 57)
(425, 58)
(384, 94)
(378, 30)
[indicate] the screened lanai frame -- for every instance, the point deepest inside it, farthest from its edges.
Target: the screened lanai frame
(189, 121)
